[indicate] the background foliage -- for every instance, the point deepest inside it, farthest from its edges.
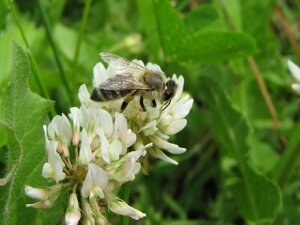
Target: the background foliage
(241, 166)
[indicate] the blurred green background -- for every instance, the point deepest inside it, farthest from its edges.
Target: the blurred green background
(242, 137)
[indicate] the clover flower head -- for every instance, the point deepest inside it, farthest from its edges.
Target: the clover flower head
(96, 149)
(155, 125)
(99, 154)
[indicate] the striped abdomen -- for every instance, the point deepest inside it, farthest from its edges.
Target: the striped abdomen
(102, 95)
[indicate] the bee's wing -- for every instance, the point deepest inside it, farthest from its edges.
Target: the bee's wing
(123, 82)
(123, 66)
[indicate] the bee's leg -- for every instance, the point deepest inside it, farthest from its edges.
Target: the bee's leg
(142, 103)
(127, 99)
(153, 102)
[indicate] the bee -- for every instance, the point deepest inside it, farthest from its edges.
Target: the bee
(131, 79)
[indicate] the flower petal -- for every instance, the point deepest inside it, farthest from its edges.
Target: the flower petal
(295, 70)
(160, 155)
(115, 149)
(37, 193)
(73, 214)
(85, 153)
(296, 88)
(172, 148)
(106, 122)
(99, 72)
(175, 126)
(131, 138)
(95, 182)
(84, 95)
(104, 145)
(182, 108)
(120, 207)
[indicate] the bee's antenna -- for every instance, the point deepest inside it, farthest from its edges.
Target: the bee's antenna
(167, 104)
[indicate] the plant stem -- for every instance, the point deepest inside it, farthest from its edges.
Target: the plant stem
(86, 12)
(127, 187)
(289, 32)
(289, 160)
(265, 93)
(46, 23)
(262, 86)
(35, 71)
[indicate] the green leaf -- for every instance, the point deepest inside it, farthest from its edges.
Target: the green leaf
(257, 197)
(22, 113)
(170, 27)
(216, 46)
(203, 18)
(233, 12)
(148, 24)
(195, 47)
(262, 155)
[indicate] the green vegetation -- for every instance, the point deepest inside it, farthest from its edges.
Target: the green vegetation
(242, 135)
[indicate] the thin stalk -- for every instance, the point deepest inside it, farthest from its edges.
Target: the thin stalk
(35, 71)
(86, 12)
(289, 160)
(127, 187)
(12, 7)
(289, 32)
(39, 81)
(266, 95)
(58, 61)
(262, 86)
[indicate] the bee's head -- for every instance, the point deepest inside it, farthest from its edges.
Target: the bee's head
(169, 92)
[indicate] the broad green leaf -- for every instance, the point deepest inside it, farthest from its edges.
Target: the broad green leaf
(215, 46)
(203, 18)
(261, 154)
(233, 12)
(3, 136)
(23, 113)
(255, 16)
(197, 47)
(245, 101)
(257, 197)
(148, 24)
(170, 27)
(12, 33)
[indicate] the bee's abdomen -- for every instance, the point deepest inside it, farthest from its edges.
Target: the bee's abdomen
(102, 95)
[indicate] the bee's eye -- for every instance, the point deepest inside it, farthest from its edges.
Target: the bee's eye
(167, 95)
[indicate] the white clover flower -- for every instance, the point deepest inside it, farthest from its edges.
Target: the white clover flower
(88, 213)
(99, 139)
(60, 130)
(93, 118)
(47, 196)
(155, 125)
(75, 116)
(118, 206)
(106, 149)
(115, 142)
(55, 165)
(95, 182)
(73, 214)
(295, 70)
(85, 153)
(127, 167)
